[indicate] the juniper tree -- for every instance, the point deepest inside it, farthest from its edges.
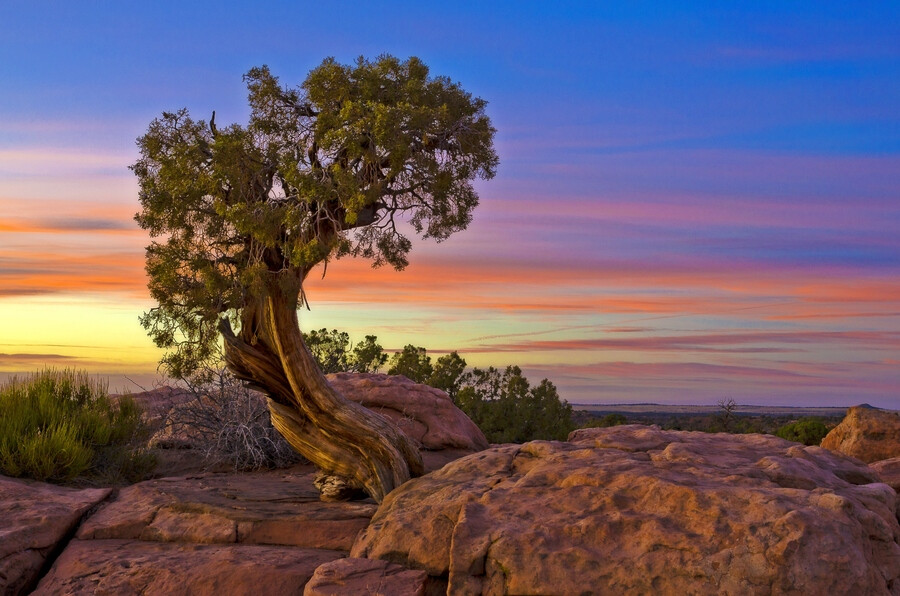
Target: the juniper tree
(240, 215)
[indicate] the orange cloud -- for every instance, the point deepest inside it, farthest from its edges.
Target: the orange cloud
(765, 342)
(70, 225)
(49, 273)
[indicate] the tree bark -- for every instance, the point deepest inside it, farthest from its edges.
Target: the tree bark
(339, 436)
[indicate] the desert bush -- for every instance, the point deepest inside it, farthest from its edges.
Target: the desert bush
(613, 419)
(809, 431)
(412, 362)
(334, 352)
(508, 409)
(61, 425)
(448, 373)
(502, 404)
(229, 423)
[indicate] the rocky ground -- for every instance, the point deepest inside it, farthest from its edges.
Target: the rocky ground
(231, 533)
(624, 510)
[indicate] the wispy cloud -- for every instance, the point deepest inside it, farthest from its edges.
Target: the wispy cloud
(67, 225)
(26, 361)
(55, 163)
(764, 342)
(49, 273)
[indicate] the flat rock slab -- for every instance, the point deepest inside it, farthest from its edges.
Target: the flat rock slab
(353, 577)
(34, 519)
(638, 510)
(276, 508)
(125, 567)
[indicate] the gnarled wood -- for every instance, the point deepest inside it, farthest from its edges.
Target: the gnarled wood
(337, 435)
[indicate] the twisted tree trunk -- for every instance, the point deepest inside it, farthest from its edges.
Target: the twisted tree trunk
(339, 436)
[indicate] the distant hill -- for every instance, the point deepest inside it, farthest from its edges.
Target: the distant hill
(695, 410)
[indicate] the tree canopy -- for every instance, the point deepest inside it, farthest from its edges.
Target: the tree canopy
(323, 170)
(334, 352)
(240, 215)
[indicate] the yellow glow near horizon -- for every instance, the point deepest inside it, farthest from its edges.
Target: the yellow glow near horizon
(88, 331)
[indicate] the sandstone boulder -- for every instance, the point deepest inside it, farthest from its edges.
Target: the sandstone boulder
(889, 471)
(128, 567)
(36, 520)
(352, 577)
(425, 414)
(640, 510)
(276, 508)
(866, 433)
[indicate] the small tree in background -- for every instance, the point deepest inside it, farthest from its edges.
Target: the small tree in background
(413, 363)
(367, 356)
(509, 410)
(449, 374)
(334, 352)
(727, 414)
(503, 405)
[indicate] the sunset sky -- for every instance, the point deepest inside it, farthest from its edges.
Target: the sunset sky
(695, 201)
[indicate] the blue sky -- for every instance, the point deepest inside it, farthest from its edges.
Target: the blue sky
(676, 170)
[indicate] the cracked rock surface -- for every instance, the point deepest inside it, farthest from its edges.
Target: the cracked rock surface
(279, 508)
(35, 520)
(352, 577)
(256, 533)
(635, 509)
(125, 567)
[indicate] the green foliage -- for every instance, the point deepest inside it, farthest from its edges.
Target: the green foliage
(367, 356)
(58, 425)
(331, 349)
(508, 410)
(412, 362)
(334, 352)
(503, 405)
(809, 431)
(740, 423)
(448, 374)
(614, 419)
(322, 170)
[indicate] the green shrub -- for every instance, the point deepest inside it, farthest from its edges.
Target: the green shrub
(59, 425)
(413, 363)
(614, 419)
(508, 409)
(334, 352)
(809, 431)
(501, 403)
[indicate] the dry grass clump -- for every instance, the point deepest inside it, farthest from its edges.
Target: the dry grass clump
(228, 422)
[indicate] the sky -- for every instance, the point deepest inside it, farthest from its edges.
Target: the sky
(695, 201)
